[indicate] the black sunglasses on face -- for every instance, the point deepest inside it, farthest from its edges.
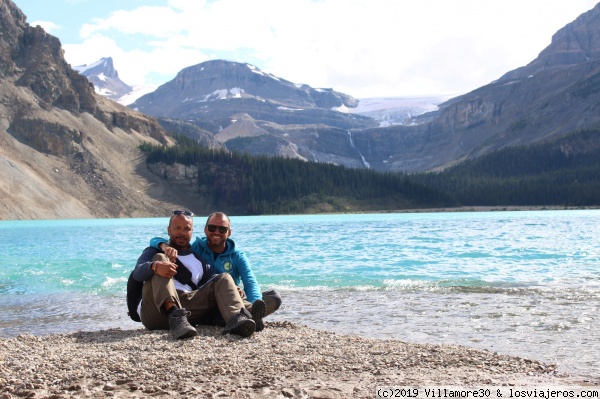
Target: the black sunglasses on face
(212, 228)
(186, 213)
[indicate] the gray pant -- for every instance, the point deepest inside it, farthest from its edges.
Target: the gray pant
(272, 301)
(218, 294)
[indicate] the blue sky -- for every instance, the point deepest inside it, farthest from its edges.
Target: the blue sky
(364, 48)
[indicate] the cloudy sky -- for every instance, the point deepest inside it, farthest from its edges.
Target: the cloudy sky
(365, 48)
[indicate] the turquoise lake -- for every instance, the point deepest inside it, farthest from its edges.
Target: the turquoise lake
(524, 283)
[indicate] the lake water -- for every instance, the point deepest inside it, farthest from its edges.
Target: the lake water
(524, 283)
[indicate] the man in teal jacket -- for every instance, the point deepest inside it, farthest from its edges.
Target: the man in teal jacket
(219, 250)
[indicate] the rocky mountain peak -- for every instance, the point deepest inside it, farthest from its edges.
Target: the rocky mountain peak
(575, 43)
(105, 78)
(36, 60)
(220, 79)
(103, 66)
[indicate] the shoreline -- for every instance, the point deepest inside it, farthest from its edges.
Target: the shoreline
(474, 208)
(284, 360)
(486, 208)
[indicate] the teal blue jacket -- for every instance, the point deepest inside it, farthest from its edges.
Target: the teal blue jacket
(232, 261)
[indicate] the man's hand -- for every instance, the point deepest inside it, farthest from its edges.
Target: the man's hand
(169, 251)
(241, 292)
(165, 269)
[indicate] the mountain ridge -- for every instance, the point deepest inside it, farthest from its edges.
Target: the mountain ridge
(385, 110)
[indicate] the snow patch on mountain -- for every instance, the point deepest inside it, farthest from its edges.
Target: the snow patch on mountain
(135, 93)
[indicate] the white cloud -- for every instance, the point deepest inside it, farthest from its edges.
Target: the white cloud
(362, 47)
(134, 66)
(151, 21)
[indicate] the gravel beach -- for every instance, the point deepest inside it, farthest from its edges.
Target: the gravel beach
(285, 360)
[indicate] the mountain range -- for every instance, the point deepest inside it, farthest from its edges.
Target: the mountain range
(385, 110)
(245, 109)
(68, 151)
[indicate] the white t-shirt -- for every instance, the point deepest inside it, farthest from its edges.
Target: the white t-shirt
(194, 266)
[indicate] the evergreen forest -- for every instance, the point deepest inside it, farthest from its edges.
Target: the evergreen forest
(564, 172)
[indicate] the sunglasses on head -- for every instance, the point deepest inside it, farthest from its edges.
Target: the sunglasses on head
(185, 213)
(212, 228)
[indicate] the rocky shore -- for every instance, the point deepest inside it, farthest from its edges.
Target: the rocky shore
(285, 360)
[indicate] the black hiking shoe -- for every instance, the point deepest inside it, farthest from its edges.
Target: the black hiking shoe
(179, 325)
(258, 311)
(240, 324)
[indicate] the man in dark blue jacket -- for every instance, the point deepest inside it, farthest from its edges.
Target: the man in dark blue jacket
(176, 295)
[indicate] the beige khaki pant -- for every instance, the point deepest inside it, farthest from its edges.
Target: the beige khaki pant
(218, 293)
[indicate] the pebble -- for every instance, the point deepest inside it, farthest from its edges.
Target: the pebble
(284, 360)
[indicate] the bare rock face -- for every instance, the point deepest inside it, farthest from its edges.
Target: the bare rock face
(44, 70)
(66, 152)
(13, 24)
(50, 137)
